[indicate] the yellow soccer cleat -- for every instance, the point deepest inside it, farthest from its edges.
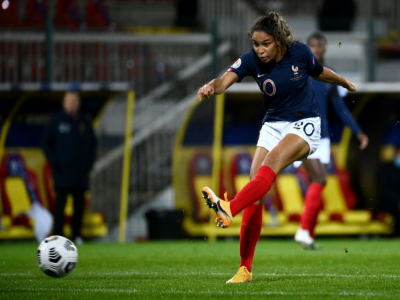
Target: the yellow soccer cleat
(243, 275)
(221, 208)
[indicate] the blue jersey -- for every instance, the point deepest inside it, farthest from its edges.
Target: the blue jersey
(324, 92)
(286, 85)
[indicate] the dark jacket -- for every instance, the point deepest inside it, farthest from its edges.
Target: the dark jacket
(390, 188)
(70, 147)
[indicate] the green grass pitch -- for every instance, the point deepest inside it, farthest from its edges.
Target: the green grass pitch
(198, 270)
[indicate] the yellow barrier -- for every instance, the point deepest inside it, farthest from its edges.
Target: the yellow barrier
(217, 154)
(96, 120)
(123, 213)
(6, 128)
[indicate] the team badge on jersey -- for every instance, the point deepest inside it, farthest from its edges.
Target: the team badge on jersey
(296, 76)
(295, 70)
(235, 65)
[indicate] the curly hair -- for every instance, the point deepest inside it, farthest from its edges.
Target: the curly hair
(274, 24)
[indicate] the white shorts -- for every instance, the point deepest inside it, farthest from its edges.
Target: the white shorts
(323, 153)
(308, 129)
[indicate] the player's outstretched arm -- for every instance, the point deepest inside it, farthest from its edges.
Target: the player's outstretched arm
(348, 119)
(330, 76)
(217, 86)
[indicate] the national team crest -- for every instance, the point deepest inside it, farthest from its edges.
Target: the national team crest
(295, 70)
(296, 75)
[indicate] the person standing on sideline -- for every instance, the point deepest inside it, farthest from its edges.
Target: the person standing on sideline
(389, 189)
(69, 144)
(316, 164)
(282, 68)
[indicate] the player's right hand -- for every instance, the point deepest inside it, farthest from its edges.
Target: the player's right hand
(205, 92)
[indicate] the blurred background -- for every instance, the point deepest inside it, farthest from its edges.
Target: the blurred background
(137, 65)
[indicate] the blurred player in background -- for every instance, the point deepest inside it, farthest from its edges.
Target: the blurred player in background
(70, 147)
(282, 68)
(316, 164)
(389, 188)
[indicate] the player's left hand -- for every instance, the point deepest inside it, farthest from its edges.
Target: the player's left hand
(363, 138)
(350, 86)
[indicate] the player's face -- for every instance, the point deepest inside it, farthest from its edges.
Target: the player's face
(264, 45)
(317, 48)
(71, 103)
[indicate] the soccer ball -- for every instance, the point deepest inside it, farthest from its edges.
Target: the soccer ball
(57, 256)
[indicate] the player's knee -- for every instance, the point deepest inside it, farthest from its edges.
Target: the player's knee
(253, 174)
(272, 160)
(321, 179)
(261, 201)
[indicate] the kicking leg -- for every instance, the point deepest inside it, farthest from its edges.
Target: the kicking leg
(289, 149)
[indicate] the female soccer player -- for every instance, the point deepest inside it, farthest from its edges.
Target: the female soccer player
(291, 128)
(317, 162)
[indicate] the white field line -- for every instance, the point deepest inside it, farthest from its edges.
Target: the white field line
(225, 274)
(256, 274)
(209, 292)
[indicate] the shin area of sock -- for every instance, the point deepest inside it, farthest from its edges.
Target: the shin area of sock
(250, 233)
(312, 206)
(253, 191)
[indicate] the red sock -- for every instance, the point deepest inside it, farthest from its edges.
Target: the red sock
(313, 225)
(253, 191)
(250, 233)
(312, 207)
